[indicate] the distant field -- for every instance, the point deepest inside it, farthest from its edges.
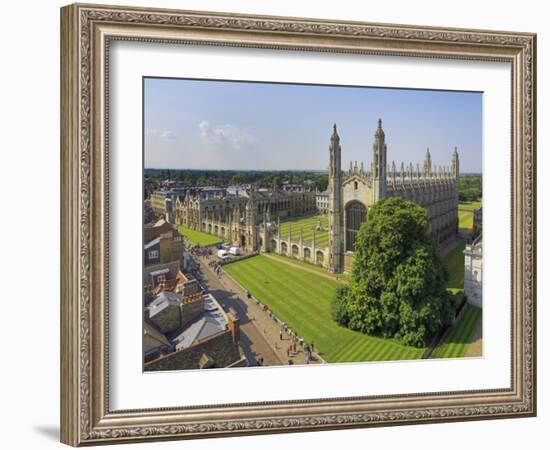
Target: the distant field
(307, 225)
(302, 300)
(466, 215)
(198, 237)
(459, 338)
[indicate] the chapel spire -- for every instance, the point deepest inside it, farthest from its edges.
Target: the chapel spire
(427, 164)
(379, 151)
(455, 165)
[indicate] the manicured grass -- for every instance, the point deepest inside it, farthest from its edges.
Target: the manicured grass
(198, 237)
(459, 337)
(307, 225)
(302, 300)
(466, 215)
(306, 265)
(455, 264)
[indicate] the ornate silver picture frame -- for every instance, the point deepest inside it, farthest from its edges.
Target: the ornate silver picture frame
(87, 33)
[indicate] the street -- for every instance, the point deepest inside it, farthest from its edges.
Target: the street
(262, 336)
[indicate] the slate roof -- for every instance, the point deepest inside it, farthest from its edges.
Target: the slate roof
(207, 324)
(151, 243)
(163, 301)
(157, 338)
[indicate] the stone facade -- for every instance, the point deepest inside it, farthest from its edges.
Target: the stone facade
(473, 271)
(321, 202)
(335, 217)
(162, 202)
(352, 192)
(307, 251)
(236, 215)
(162, 244)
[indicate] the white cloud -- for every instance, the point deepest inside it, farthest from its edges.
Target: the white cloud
(225, 136)
(163, 134)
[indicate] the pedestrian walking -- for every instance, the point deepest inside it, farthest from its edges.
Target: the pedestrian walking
(280, 335)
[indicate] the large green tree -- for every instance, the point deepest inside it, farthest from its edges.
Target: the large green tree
(397, 289)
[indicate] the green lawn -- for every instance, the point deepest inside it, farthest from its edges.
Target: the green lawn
(466, 215)
(307, 225)
(302, 300)
(459, 337)
(320, 269)
(198, 237)
(455, 263)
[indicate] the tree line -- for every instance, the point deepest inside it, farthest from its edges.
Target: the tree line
(470, 188)
(225, 178)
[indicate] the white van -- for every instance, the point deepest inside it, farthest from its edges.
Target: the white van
(235, 251)
(222, 254)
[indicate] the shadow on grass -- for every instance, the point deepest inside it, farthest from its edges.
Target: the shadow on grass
(464, 331)
(457, 297)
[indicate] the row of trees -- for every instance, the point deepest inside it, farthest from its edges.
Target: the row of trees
(229, 177)
(470, 188)
(398, 284)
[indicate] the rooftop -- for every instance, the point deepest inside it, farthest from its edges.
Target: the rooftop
(212, 321)
(152, 243)
(163, 301)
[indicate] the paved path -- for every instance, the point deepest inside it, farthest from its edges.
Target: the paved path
(476, 346)
(260, 332)
(328, 276)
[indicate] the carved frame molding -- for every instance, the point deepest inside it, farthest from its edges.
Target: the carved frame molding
(86, 32)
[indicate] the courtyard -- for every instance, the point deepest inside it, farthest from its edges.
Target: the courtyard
(198, 237)
(307, 225)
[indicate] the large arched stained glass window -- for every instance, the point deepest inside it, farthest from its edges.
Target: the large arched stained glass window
(356, 213)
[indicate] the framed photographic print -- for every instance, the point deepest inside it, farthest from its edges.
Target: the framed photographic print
(276, 224)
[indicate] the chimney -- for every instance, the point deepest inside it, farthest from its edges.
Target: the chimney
(233, 324)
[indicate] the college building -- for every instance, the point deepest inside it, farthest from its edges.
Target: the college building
(251, 218)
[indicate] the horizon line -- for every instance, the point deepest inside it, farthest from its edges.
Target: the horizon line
(269, 170)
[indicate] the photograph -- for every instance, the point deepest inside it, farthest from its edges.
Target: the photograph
(301, 224)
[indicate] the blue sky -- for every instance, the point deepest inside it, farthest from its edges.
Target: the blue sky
(193, 124)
